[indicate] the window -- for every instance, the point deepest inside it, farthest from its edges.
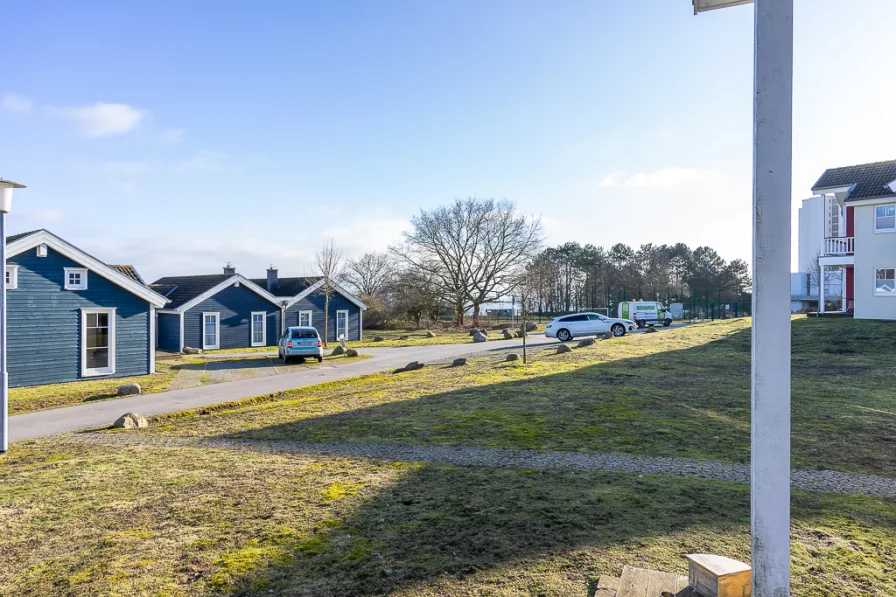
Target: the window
(97, 342)
(342, 325)
(304, 334)
(12, 277)
(885, 218)
(885, 281)
(75, 278)
(42, 250)
(211, 331)
(258, 328)
(575, 318)
(305, 318)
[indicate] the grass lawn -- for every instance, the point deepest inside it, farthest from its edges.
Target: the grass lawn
(682, 392)
(91, 520)
(22, 400)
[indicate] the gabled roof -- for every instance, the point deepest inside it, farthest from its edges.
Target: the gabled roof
(865, 181)
(130, 271)
(320, 281)
(28, 240)
(184, 292)
(288, 287)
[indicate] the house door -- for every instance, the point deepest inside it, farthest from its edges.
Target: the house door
(211, 331)
(342, 325)
(258, 329)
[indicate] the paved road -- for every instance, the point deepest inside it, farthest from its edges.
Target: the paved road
(103, 413)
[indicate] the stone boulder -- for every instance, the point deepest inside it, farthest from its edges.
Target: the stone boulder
(585, 342)
(129, 389)
(378, 338)
(480, 337)
(459, 362)
(512, 356)
(520, 334)
(413, 366)
(508, 335)
(191, 350)
(474, 331)
(131, 421)
(404, 337)
(351, 352)
(531, 326)
(563, 348)
(337, 351)
(650, 331)
(607, 336)
(430, 334)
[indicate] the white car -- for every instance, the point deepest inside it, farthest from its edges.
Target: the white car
(567, 327)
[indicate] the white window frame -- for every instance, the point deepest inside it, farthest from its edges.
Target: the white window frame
(346, 324)
(264, 328)
(12, 273)
(310, 315)
(875, 290)
(882, 230)
(75, 270)
(110, 369)
(217, 344)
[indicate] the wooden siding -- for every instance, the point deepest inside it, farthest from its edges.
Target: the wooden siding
(45, 322)
(315, 303)
(168, 332)
(235, 304)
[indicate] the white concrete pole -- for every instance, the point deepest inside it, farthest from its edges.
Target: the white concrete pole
(770, 429)
(821, 288)
(4, 378)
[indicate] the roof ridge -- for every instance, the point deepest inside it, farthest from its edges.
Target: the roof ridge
(865, 164)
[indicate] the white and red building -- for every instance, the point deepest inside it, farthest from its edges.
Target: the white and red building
(848, 240)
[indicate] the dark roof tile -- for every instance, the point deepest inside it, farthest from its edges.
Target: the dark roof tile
(288, 286)
(870, 180)
(182, 289)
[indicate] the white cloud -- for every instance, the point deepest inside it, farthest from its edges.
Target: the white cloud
(663, 178)
(171, 136)
(101, 119)
(203, 161)
(19, 104)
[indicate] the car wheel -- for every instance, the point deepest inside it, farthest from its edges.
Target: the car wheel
(618, 329)
(320, 359)
(564, 336)
(286, 359)
(667, 323)
(641, 325)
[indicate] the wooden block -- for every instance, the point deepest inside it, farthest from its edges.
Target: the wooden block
(718, 576)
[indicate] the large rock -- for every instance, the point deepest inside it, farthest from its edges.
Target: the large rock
(474, 331)
(338, 351)
(378, 338)
(129, 389)
(480, 337)
(131, 421)
(585, 342)
(413, 366)
(430, 334)
(459, 362)
(650, 331)
(563, 348)
(191, 350)
(508, 335)
(607, 336)
(520, 334)
(351, 352)
(531, 326)
(512, 356)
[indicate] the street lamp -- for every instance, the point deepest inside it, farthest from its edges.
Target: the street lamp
(6, 187)
(770, 360)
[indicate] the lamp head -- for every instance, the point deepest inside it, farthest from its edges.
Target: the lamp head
(6, 187)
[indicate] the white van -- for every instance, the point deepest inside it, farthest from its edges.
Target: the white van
(645, 313)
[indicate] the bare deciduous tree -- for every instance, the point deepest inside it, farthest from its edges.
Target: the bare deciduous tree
(329, 261)
(471, 249)
(369, 274)
(527, 291)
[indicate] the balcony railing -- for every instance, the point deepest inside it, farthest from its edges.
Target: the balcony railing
(841, 245)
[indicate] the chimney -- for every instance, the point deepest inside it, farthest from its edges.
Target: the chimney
(229, 269)
(272, 279)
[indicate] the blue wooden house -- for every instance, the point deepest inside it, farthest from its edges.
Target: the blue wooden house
(303, 304)
(71, 316)
(228, 310)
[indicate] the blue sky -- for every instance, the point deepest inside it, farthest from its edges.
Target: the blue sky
(178, 136)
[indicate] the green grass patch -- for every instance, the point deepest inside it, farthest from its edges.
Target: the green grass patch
(682, 392)
(93, 520)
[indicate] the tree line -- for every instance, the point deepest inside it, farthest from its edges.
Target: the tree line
(457, 257)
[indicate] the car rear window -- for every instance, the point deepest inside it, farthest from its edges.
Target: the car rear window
(303, 334)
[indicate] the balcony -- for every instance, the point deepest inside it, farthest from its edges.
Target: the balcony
(840, 245)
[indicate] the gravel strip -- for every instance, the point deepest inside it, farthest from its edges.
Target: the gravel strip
(807, 480)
